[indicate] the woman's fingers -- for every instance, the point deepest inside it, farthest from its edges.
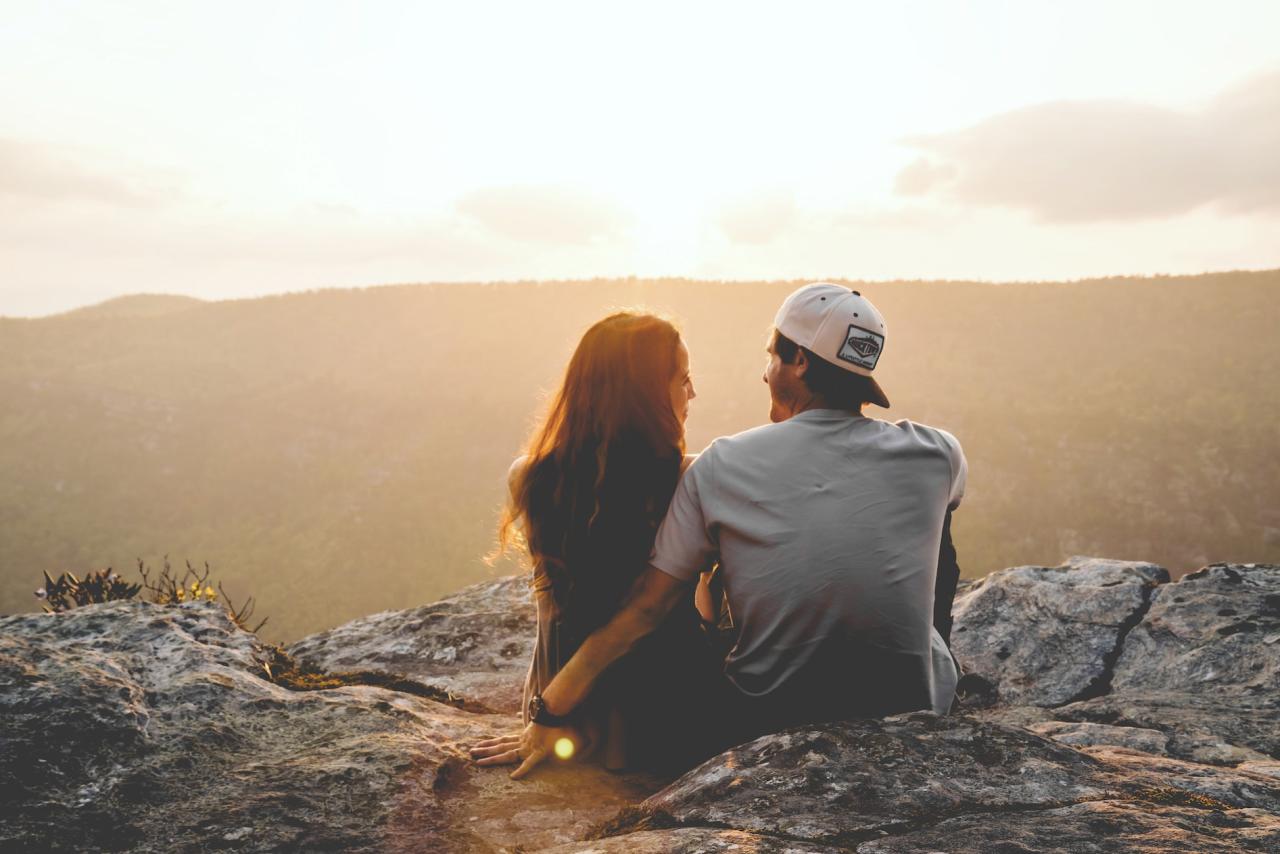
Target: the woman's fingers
(534, 759)
(491, 746)
(510, 757)
(532, 746)
(485, 752)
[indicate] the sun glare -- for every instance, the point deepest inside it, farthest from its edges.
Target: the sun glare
(500, 140)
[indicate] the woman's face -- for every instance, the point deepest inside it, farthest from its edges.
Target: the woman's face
(682, 383)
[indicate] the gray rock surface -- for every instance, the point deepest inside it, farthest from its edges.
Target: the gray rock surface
(1088, 735)
(1095, 826)
(849, 782)
(475, 644)
(1232, 787)
(1198, 728)
(1100, 826)
(694, 840)
(1049, 635)
(141, 727)
(132, 726)
(1201, 667)
(1215, 632)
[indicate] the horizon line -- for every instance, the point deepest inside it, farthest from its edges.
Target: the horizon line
(633, 279)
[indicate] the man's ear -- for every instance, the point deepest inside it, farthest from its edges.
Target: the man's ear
(802, 363)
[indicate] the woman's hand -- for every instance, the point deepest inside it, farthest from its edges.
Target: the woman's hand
(708, 596)
(502, 750)
(531, 747)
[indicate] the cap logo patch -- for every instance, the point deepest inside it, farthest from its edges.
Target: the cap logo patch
(861, 347)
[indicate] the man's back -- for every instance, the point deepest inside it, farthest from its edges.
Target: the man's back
(827, 527)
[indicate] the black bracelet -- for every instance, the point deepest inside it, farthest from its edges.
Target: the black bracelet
(539, 714)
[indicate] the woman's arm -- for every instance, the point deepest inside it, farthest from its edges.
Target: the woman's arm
(653, 595)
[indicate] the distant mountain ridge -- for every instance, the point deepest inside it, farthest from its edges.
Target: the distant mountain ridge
(339, 452)
(135, 305)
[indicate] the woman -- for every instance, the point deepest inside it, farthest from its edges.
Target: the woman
(586, 499)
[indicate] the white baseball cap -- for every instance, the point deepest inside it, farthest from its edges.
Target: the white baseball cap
(839, 325)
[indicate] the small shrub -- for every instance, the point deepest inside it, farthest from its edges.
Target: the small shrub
(68, 591)
(105, 585)
(168, 589)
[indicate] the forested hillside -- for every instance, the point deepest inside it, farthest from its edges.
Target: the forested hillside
(340, 452)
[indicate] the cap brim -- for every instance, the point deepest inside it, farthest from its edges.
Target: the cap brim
(881, 399)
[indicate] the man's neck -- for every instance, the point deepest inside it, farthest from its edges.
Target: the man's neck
(818, 401)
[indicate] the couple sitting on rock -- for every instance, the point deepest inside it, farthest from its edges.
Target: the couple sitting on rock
(797, 572)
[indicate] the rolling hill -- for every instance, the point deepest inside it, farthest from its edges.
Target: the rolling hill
(339, 452)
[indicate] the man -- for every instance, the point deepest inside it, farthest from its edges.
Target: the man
(828, 528)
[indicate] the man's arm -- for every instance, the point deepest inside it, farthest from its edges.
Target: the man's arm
(944, 588)
(682, 548)
(649, 601)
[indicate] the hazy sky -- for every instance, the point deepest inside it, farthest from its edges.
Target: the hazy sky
(225, 149)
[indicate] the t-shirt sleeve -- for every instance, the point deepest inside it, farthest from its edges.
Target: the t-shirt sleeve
(684, 547)
(959, 470)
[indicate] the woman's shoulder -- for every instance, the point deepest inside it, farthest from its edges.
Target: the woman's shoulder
(686, 462)
(517, 469)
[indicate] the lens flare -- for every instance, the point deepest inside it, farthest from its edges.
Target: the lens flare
(564, 748)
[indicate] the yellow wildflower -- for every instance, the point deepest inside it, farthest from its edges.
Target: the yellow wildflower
(182, 594)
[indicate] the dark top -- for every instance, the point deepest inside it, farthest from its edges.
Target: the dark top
(645, 705)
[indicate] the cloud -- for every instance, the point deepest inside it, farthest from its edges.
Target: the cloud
(37, 172)
(758, 218)
(907, 218)
(1087, 161)
(544, 214)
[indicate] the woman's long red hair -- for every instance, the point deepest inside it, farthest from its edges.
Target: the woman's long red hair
(601, 468)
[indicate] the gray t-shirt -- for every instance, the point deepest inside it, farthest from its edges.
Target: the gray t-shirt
(827, 528)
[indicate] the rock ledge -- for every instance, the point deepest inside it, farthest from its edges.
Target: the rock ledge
(1105, 709)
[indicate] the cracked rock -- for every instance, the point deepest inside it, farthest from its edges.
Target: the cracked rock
(475, 644)
(853, 779)
(1048, 635)
(1207, 635)
(843, 784)
(1199, 668)
(133, 726)
(1198, 728)
(153, 728)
